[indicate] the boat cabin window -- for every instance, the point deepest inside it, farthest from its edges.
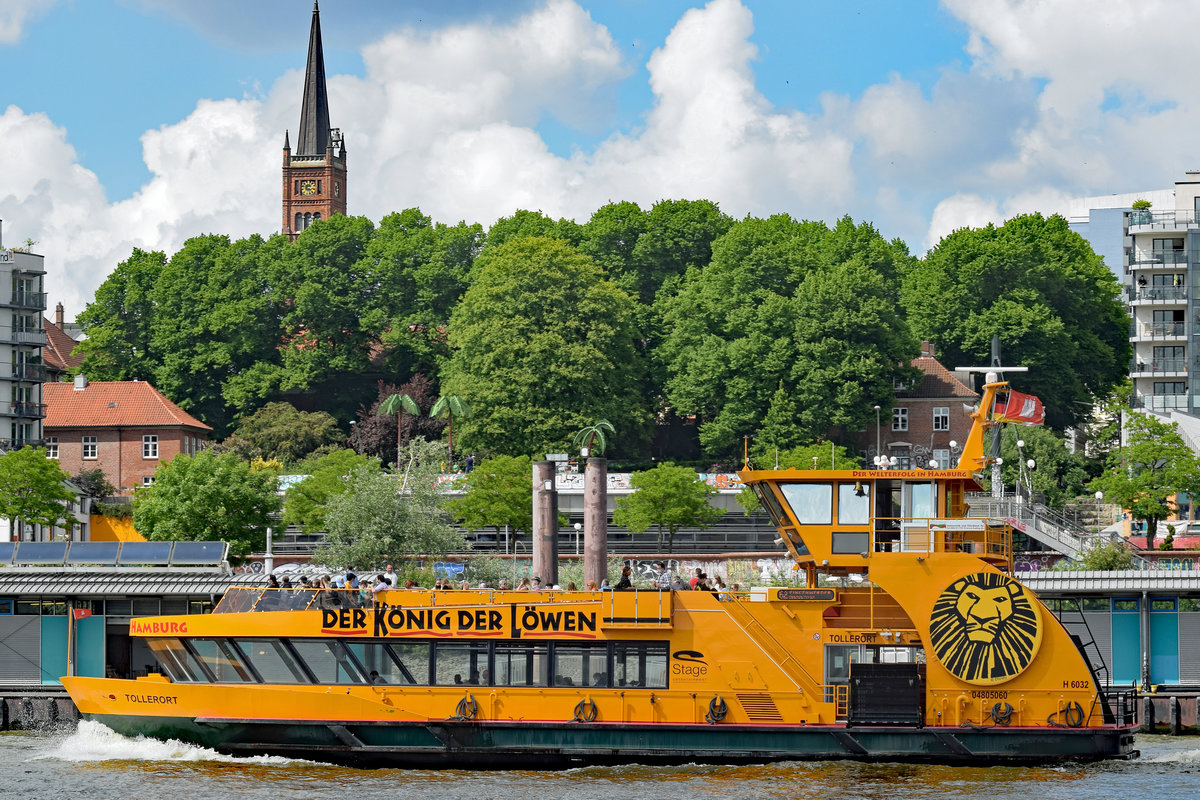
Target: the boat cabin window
(270, 659)
(175, 660)
(414, 662)
(771, 504)
(224, 664)
(327, 660)
(643, 665)
(811, 503)
(522, 663)
(919, 500)
(457, 663)
(854, 503)
(580, 665)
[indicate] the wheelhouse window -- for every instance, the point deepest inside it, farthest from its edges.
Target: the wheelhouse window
(811, 503)
(179, 664)
(150, 446)
(89, 447)
(899, 419)
(854, 503)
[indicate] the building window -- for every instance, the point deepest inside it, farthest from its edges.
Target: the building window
(899, 419)
(89, 447)
(942, 457)
(1170, 387)
(147, 480)
(149, 446)
(941, 418)
(52, 447)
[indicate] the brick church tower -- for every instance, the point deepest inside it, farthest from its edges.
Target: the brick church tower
(314, 176)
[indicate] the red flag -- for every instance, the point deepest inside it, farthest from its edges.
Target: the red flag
(1024, 409)
(80, 613)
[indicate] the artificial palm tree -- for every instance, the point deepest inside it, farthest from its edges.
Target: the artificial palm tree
(399, 404)
(592, 434)
(450, 405)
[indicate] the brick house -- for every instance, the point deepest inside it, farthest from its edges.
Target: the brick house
(925, 418)
(127, 428)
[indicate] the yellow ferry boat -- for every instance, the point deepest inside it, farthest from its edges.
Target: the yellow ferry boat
(924, 648)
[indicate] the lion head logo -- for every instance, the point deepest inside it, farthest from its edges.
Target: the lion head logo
(985, 628)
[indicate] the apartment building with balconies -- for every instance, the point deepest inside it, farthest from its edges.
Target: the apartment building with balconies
(22, 337)
(1155, 252)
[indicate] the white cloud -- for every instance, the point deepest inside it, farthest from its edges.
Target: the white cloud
(15, 15)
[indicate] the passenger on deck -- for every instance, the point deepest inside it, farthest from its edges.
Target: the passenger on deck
(502, 585)
(625, 583)
(696, 578)
(571, 587)
(382, 584)
(524, 585)
(537, 585)
(604, 587)
(591, 586)
(663, 578)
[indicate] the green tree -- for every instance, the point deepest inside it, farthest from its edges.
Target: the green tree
(1041, 288)
(376, 434)
(208, 497)
(390, 517)
(305, 501)
(33, 489)
(497, 494)
(1057, 473)
(278, 431)
(542, 342)
(118, 321)
(1145, 475)
(93, 483)
(1101, 557)
(792, 330)
(524, 224)
(669, 497)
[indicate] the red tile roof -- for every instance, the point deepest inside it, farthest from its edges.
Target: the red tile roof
(936, 382)
(58, 353)
(113, 404)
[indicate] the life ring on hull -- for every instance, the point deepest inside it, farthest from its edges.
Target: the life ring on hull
(585, 711)
(716, 711)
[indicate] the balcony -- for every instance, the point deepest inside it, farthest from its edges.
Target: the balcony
(35, 301)
(1162, 402)
(36, 338)
(26, 410)
(1158, 295)
(1162, 366)
(29, 372)
(16, 444)
(1144, 221)
(1157, 331)
(1150, 259)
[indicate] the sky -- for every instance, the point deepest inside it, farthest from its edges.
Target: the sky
(140, 123)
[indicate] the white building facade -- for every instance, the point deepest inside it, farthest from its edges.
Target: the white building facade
(22, 336)
(1155, 252)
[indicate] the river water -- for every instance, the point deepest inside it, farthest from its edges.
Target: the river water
(95, 763)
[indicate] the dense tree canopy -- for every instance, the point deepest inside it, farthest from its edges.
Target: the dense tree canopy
(792, 324)
(118, 321)
(306, 501)
(542, 343)
(278, 432)
(33, 489)
(497, 494)
(668, 497)
(1051, 299)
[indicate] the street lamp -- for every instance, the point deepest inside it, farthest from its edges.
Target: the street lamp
(577, 529)
(1099, 497)
(878, 451)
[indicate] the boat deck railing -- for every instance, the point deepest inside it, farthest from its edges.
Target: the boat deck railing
(987, 538)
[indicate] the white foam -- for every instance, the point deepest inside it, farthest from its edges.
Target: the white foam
(93, 741)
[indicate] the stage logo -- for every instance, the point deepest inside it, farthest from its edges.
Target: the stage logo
(985, 628)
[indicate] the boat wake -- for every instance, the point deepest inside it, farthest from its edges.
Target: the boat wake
(92, 741)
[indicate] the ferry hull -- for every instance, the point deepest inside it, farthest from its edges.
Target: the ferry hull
(552, 745)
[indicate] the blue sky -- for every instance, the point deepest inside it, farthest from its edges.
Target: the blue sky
(139, 123)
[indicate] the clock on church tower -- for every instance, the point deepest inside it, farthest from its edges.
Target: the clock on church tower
(314, 174)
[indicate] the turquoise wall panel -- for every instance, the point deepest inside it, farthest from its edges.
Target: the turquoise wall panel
(89, 647)
(54, 648)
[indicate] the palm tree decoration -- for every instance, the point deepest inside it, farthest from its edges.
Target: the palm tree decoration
(451, 406)
(592, 434)
(399, 404)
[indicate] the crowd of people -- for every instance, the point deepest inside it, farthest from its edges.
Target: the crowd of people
(348, 589)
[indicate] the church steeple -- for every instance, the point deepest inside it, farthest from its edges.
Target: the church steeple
(314, 173)
(314, 110)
